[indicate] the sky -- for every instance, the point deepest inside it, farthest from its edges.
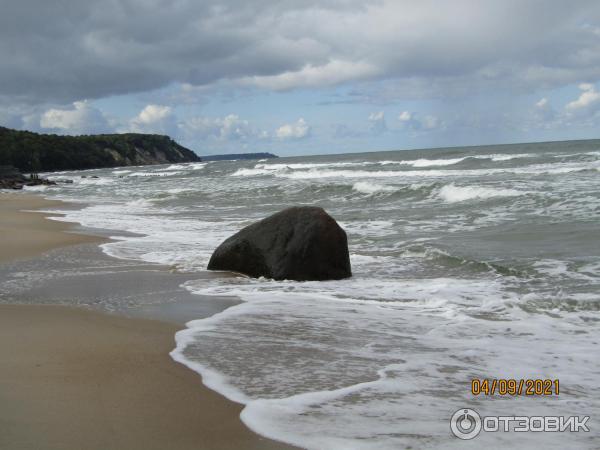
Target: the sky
(304, 77)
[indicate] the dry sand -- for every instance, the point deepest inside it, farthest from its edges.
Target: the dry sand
(77, 379)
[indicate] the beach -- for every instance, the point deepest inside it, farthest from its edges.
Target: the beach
(25, 233)
(469, 263)
(74, 378)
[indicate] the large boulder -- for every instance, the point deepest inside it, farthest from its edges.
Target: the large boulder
(300, 243)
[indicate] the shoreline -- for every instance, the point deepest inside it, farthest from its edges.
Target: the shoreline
(28, 233)
(73, 378)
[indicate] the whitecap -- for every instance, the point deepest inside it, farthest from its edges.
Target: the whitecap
(153, 174)
(452, 193)
(365, 187)
(250, 172)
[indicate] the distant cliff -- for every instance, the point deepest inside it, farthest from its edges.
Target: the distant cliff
(239, 156)
(33, 152)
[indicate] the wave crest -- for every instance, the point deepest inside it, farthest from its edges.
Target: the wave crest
(451, 193)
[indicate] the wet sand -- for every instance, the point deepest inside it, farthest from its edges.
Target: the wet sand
(72, 378)
(26, 234)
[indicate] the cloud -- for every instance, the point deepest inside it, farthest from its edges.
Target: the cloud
(587, 103)
(405, 117)
(297, 130)
(81, 118)
(542, 103)
(378, 123)
(414, 122)
(333, 72)
(228, 128)
(107, 47)
(543, 111)
(157, 119)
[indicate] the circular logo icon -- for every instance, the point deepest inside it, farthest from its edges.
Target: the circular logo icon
(465, 424)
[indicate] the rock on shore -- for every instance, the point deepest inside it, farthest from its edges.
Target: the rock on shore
(299, 243)
(11, 178)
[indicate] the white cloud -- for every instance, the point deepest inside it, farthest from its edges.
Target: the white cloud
(153, 113)
(153, 119)
(430, 122)
(543, 110)
(378, 123)
(542, 103)
(333, 72)
(587, 103)
(377, 116)
(297, 130)
(414, 122)
(228, 128)
(80, 119)
(405, 116)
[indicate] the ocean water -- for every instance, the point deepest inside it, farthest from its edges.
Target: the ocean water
(476, 262)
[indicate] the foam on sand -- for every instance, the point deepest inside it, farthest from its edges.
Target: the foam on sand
(311, 380)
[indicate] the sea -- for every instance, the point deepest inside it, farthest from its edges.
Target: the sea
(469, 263)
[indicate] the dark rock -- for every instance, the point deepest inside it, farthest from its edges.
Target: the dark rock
(299, 243)
(40, 181)
(11, 178)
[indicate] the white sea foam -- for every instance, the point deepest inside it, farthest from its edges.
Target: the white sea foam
(161, 237)
(173, 167)
(244, 172)
(592, 269)
(140, 204)
(562, 269)
(311, 380)
(40, 187)
(452, 193)
(508, 157)
(366, 187)
(179, 190)
(316, 173)
(425, 162)
(154, 174)
(182, 166)
(275, 167)
(196, 166)
(94, 181)
(432, 162)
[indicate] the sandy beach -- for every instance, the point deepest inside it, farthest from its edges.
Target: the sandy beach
(71, 378)
(24, 233)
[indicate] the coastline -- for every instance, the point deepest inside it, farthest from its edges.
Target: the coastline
(27, 233)
(75, 378)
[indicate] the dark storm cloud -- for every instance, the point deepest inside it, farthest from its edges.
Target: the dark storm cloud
(66, 50)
